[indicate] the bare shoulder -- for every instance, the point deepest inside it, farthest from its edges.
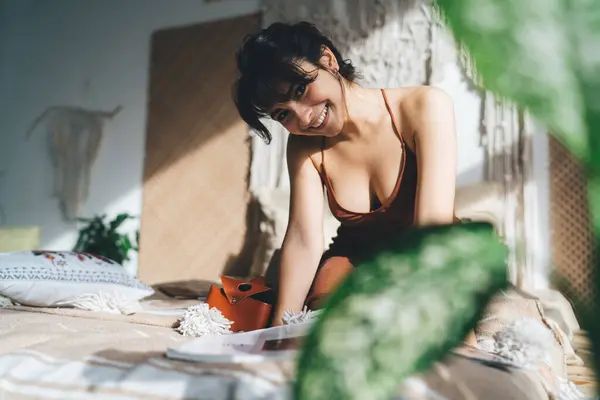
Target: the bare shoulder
(422, 102)
(420, 108)
(302, 148)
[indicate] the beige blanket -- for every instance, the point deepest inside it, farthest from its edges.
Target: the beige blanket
(73, 354)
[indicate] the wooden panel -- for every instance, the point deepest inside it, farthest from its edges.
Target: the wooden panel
(197, 162)
(571, 239)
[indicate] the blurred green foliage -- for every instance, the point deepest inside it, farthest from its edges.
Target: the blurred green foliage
(103, 238)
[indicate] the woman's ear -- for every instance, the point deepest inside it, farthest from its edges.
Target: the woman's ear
(328, 60)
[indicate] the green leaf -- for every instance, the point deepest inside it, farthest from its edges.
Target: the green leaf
(523, 51)
(100, 238)
(584, 16)
(137, 240)
(119, 219)
(544, 55)
(401, 311)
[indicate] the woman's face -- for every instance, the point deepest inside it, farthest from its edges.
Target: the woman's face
(316, 109)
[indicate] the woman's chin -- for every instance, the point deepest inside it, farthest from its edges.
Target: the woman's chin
(331, 131)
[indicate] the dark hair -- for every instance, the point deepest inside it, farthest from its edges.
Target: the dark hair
(272, 56)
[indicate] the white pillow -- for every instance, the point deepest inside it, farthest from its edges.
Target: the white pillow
(51, 279)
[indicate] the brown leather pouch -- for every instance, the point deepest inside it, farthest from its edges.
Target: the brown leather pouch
(247, 304)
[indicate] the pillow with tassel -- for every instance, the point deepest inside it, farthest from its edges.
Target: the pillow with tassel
(70, 279)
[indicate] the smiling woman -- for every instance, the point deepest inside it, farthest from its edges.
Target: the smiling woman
(386, 157)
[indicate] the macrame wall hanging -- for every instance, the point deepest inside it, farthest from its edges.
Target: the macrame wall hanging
(398, 43)
(75, 136)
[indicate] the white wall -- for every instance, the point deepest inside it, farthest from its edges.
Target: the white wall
(467, 104)
(92, 54)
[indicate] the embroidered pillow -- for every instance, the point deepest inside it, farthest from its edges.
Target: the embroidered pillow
(53, 279)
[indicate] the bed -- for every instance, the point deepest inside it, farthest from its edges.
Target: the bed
(61, 353)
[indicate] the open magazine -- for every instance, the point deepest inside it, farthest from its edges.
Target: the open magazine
(276, 343)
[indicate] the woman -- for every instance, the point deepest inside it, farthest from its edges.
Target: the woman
(386, 158)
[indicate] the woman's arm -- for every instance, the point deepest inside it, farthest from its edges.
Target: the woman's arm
(303, 243)
(435, 137)
(435, 140)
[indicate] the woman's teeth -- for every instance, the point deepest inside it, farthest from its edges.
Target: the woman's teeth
(321, 118)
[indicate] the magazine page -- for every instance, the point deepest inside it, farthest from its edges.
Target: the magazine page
(280, 343)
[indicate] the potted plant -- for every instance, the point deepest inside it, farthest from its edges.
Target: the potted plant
(102, 238)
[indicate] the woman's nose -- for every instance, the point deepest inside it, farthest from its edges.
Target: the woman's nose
(304, 115)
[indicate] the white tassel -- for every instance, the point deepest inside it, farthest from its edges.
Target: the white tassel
(6, 302)
(104, 302)
(568, 391)
(525, 342)
(301, 317)
(200, 320)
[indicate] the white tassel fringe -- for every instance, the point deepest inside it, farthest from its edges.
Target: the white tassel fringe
(200, 320)
(104, 302)
(301, 317)
(6, 302)
(526, 343)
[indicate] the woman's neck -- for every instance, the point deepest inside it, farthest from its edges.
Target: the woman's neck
(364, 107)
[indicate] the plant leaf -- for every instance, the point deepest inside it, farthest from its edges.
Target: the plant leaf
(401, 311)
(584, 17)
(523, 50)
(544, 55)
(137, 240)
(119, 219)
(102, 239)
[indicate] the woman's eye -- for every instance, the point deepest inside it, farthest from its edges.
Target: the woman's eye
(281, 116)
(300, 89)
